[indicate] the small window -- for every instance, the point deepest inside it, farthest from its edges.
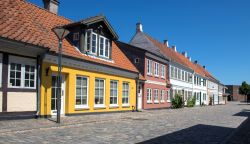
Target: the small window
(76, 36)
(137, 60)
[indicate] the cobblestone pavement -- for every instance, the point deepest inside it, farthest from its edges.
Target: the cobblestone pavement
(210, 124)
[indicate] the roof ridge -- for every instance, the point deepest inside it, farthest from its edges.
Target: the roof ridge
(46, 10)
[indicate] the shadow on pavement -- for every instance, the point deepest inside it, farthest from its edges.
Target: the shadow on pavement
(203, 134)
(194, 135)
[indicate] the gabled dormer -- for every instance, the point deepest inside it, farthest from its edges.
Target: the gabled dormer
(93, 36)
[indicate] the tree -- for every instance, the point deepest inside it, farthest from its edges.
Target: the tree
(244, 89)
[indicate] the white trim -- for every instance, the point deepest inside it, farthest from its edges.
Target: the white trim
(155, 82)
(83, 106)
(149, 67)
(126, 104)
(23, 61)
(156, 100)
(156, 69)
(104, 46)
(163, 71)
(150, 92)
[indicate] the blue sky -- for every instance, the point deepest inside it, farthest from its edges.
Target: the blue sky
(214, 32)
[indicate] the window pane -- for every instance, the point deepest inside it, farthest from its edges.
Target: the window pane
(94, 37)
(18, 82)
(106, 47)
(18, 74)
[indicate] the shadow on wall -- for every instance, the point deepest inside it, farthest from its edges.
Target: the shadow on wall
(203, 134)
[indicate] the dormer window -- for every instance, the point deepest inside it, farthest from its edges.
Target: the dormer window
(76, 36)
(95, 46)
(103, 47)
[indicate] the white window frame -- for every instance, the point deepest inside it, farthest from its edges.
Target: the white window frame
(175, 73)
(149, 67)
(162, 94)
(156, 69)
(163, 71)
(117, 96)
(156, 100)
(179, 74)
(168, 96)
(83, 105)
(149, 95)
(104, 46)
(23, 61)
(126, 104)
(171, 71)
(91, 38)
(104, 94)
(183, 75)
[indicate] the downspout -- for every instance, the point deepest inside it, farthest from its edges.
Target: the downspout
(137, 88)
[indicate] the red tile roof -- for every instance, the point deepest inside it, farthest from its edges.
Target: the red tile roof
(181, 59)
(26, 22)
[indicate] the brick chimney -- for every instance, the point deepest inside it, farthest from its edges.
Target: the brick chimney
(139, 27)
(51, 5)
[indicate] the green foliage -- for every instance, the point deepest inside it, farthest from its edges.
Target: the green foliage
(177, 102)
(244, 89)
(191, 102)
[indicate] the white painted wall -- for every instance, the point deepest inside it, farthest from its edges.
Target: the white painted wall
(21, 101)
(213, 91)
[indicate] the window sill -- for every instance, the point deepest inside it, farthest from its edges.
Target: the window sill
(149, 102)
(99, 107)
(162, 101)
(125, 105)
(114, 106)
(168, 101)
(156, 102)
(81, 108)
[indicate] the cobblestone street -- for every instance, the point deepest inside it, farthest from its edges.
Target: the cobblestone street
(210, 124)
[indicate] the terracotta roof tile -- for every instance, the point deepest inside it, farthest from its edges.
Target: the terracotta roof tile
(26, 22)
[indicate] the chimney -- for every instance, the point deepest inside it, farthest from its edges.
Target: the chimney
(51, 5)
(174, 48)
(204, 67)
(165, 42)
(189, 58)
(185, 54)
(139, 27)
(195, 62)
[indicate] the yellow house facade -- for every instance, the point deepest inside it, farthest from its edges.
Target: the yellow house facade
(70, 103)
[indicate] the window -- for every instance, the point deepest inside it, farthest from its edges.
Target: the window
(195, 78)
(156, 95)
(162, 96)
(15, 75)
(113, 92)
(29, 76)
(103, 47)
(149, 95)
(172, 72)
(163, 71)
(169, 95)
(204, 82)
(76, 36)
(94, 43)
(81, 92)
(189, 94)
(156, 69)
(23, 74)
(186, 76)
(179, 74)
(175, 72)
(99, 91)
(190, 77)
(182, 75)
(149, 67)
(125, 93)
(137, 60)
(91, 42)
(204, 96)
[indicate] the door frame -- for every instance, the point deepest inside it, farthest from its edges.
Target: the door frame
(63, 86)
(139, 99)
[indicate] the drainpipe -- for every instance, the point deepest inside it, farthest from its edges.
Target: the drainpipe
(137, 88)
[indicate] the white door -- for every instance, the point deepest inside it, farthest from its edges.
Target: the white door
(54, 89)
(139, 99)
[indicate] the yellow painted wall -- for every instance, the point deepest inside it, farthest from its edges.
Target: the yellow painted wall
(70, 75)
